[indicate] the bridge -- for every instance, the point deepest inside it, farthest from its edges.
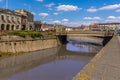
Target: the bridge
(86, 36)
(86, 33)
(105, 65)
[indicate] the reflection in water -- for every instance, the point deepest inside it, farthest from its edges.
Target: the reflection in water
(83, 47)
(50, 64)
(60, 63)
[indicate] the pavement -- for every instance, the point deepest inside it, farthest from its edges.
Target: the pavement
(105, 65)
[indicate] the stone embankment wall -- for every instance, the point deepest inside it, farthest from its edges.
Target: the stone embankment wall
(98, 66)
(27, 45)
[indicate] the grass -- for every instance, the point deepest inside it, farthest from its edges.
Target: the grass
(32, 34)
(51, 33)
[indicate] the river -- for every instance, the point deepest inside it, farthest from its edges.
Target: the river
(61, 63)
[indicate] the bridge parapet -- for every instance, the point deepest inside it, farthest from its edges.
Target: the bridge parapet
(87, 33)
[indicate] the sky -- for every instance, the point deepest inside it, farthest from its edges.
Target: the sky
(69, 12)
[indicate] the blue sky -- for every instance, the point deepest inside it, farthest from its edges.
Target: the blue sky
(69, 12)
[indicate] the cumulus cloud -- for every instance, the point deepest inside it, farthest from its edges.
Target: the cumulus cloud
(33, 13)
(65, 20)
(110, 7)
(92, 9)
(113, 19)
(56, 13)
(43, 14)
(50, 5)
(57, 22)
(67, 8)
(92, 18)
(39, 0)
(107, 7)
(76, 24)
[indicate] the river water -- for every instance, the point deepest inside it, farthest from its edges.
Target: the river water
(61, 63)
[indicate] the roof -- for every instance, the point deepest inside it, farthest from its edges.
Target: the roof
(11, 12)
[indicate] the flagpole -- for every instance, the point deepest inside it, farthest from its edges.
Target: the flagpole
(6, 4)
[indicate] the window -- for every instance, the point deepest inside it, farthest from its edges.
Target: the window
(17, 27)
(2, 17)
(13, 18)
(8, 17)
(17, 19)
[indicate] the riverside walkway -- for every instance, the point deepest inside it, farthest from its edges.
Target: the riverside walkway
(105, 65)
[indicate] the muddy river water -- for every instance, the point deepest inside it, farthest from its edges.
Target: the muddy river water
(61, 63)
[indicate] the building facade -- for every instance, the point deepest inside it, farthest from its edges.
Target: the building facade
(47, 27)
(38, 25)
(9, 20)
(111, 26)
(27, 19)
(16, 20)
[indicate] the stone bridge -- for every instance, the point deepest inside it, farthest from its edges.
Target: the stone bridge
(87, 33)
(86, 36)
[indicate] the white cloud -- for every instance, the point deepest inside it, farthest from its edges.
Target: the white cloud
(113, 19)
(75, 24)
(39, 0)
(57, 21)
(110, 7)
(118, 10)
(50, 5)
(65, 20)
(92, 18)
(107, 7)
(56, 13)
(33, 13)
(43, 14)
(92, 9)
(96, 18)
(67, 8)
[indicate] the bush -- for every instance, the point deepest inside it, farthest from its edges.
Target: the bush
(32, 34)
(51, 33)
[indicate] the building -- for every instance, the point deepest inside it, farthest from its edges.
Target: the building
(27, 19)
(38, 25)
(47, 27)
(111, 26)
(94, 27)
(69, 29)
(60, 28)
(16, 20)
(9, 20)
